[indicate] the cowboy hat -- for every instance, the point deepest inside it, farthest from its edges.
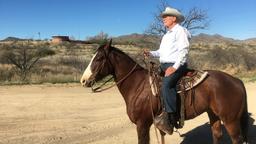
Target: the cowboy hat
(173, 12)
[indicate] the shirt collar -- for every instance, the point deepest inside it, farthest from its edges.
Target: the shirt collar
(174, 28)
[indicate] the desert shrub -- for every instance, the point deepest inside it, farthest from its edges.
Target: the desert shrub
(74, 61)
(66, 62)
(101, 38)
(142, 41)
(6, 74)
(24, 56)
(248, 58)
(229, 59)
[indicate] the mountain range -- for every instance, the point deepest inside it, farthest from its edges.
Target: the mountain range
(200, 38)
(152, 39)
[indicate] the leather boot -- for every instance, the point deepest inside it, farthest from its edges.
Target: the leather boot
(173, 120)
(162, 122)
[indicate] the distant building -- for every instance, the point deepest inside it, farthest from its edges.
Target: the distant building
(59, 39)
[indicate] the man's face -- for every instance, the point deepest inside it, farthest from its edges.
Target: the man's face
(169, 21)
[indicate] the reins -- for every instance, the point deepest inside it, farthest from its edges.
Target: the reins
(99, 88)
(147, 63)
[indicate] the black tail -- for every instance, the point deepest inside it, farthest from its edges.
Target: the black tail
(244, 123)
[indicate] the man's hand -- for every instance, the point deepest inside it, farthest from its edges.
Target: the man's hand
(146, 53)
(170, 70)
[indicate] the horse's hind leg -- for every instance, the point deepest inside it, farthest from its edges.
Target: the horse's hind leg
(233, 129)
(215, 127)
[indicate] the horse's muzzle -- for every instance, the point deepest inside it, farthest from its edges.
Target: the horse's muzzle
(88, 83)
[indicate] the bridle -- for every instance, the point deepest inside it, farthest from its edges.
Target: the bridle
(99, 88)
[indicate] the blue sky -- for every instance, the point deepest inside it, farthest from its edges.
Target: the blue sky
(85, 18)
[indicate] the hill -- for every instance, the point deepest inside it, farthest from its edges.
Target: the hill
(153, 41)
(139, 39)
(14, 39)
(216, 38)
(251, 41)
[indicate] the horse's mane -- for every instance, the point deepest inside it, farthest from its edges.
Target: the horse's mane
(114, 49)
(120, 52)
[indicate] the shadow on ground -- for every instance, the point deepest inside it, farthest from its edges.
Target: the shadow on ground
(202, 134)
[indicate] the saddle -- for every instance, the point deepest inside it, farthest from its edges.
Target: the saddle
(184, 87)
(190, 80)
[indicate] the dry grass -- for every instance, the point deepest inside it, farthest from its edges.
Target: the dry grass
(233, 60)
(70, 60)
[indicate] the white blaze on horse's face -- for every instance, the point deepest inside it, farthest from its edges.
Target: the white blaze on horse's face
(88, 72)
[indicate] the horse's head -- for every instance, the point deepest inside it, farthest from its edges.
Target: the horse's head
(99, 66)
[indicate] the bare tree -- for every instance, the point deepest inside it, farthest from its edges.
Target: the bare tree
(24, 56)
(100, 38)
(195, 19)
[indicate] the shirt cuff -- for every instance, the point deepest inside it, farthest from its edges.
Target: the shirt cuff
(176, 65)
(154, 53)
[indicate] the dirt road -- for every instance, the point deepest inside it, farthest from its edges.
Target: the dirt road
(70, 114)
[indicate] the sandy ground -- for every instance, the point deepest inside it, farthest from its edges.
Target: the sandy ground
(70, 114)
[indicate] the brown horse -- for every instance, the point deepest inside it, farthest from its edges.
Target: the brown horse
(222, 96)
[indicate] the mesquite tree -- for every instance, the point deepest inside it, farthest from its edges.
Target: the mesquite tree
(24, 56)
(195, 19)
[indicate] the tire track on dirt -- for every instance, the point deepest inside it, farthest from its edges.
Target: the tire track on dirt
(96, 132)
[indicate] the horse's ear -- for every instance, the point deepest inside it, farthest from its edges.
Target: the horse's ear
(108, 44)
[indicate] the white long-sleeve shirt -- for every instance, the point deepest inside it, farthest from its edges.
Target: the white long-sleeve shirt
(174, 47)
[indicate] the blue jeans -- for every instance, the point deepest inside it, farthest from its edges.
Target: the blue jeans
(169, 93)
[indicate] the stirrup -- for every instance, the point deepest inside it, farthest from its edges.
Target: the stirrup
(162, 123)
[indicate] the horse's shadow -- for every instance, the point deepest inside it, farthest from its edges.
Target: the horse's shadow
(202, 134)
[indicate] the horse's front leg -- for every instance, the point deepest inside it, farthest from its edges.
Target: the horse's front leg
(162, 137)
(143, 132)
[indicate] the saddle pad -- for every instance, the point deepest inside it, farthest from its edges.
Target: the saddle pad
(188, 82)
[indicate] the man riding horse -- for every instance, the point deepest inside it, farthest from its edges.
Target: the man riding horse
(220, 95)
(172, 53)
